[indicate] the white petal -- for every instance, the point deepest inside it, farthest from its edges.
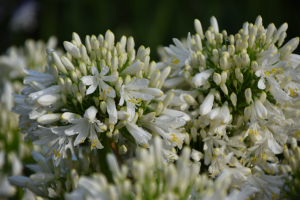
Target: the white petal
(201, 78)
(112, 111)
(90, 113)
(261, 83)
(92, 88)
(95, 71)
(87, 80)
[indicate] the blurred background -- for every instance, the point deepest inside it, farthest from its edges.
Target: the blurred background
(150, 22)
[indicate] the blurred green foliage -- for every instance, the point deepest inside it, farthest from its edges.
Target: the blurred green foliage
(150, 22)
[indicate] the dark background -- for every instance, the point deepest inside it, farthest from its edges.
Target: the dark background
(150, 22)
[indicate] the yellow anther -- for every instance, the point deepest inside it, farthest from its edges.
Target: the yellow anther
(292, 91)
(145, 145)
(267, 73)
(297, 134)
(274, 70)
(174, 60)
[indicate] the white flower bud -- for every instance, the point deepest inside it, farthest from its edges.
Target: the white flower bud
(159, 108)
(240, 77)
(248, 95)
(224, 88)
(263, 97)
(208, 36)
(281, 29)
(82, 68)
(190, 100)
(202, 60)
(217, 78)
(74, 77)
(254, 66)
(58, 63)
(72, 49)
(130, 45)
(74, 88)
(198, 28)
(118, 84)
(122, 150)
(152, 91)
(132, 69)
(62, 85)
(293, 164)
(83, 53)
(67, 63)
(247, 113)
(65, 117)
(237, 71)
(168, 99)
(54, 71)
(49, 118)
(127, 79)
(231, 40)
(203, 133)
(123, 115)
(196, 155)
(120, 124)
(233, 99)
(223, 76)
(48, 99)
(103, 106)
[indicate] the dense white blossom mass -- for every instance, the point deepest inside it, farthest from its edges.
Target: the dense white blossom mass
(233, 99)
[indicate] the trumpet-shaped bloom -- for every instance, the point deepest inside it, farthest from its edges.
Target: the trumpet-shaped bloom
(98, 80)
(84, 126)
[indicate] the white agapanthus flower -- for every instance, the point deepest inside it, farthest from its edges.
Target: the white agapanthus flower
(98, 80)
(133, 95)
(88, 126)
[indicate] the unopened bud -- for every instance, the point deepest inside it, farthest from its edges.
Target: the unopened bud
(168, 99)
(233, 99)
(217, 78)
(248, 95)
(224, 88)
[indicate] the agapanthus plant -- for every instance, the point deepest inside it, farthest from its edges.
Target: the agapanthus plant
(246, 113)
(233, 99)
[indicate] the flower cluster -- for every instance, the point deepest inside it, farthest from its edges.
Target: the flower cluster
(233, 99)
(154, 180)
(13, 152)
(246, 112)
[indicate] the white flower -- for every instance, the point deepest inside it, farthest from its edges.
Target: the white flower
(84, 126)
(179, 55)
(140, 135)
(98, 80)
(131, 94)
(58, 138)
(166, 127)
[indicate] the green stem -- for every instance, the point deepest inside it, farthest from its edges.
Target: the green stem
(102, 158)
